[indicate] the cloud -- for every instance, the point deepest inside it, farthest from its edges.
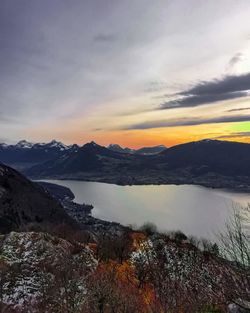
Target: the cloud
(7, 119)
(229, 87)
(189, 122)
(105, 38)
(196, 100)
(239, 109)
(235, 59)
(78, 63)
(235, 135)
(154, 86)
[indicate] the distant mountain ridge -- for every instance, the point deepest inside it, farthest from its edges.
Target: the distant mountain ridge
(37, 152)
(88, 159)
(26, 154)
(211, 163)
(28, 145)
(118, 148)
(144, 150)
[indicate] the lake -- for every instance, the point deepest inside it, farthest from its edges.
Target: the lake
(194, 210)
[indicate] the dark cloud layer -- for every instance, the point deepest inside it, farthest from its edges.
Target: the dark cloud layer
(238, 109)
(189, 122)
(230, 87)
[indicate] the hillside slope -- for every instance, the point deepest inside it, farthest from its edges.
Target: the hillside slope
(223, 157)
(23, 202)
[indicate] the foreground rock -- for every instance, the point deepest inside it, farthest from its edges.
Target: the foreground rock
(39, 272)
(184, 276)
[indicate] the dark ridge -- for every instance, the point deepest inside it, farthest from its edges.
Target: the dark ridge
(23, 202)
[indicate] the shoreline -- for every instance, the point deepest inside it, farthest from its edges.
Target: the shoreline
(239, 189)
(110, 223)
(82, 213)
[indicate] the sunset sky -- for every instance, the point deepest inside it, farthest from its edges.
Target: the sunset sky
(132, 72)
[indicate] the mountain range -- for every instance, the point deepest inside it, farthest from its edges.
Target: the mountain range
(210, 163)
(25, 154)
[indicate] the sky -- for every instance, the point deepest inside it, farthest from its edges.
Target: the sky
(132, 72)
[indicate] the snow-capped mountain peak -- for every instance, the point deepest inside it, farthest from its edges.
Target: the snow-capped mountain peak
(57, 144)
(3, 145)
(24, 144)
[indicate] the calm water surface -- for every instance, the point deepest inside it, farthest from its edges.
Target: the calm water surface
(192, 209)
